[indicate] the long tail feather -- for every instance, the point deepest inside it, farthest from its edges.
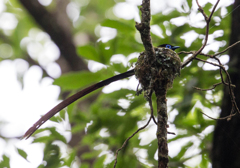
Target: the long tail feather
(73, 98)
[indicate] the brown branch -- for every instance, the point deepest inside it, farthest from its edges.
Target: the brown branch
(222, 68)
(221, 118)
(151, 107)
(222, 78)
(144, 29)
(192, 52)
(125, 142)
(214, 55)
(229, 84)
(162, 118)
(58, 31)
(149, 97)
(208, 55)
(202, 11)
(208, 19)
(214, 86)
(194, 56)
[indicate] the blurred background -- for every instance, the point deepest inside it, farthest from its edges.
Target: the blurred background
(50, 49)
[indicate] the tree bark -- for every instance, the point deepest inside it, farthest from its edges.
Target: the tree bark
(226, 139)
(162, 128)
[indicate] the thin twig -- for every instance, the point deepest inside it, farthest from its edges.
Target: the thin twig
(208, 19)
(221, 118)
(221, 67)
(171, 133)
(151, 107)
(125, 142)
(208, 55)
(214, 86)
(214, 55)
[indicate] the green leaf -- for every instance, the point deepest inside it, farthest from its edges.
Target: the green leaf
(52, 156)
(5, 162)
(76, 80)
(22, 153)
(190, 3)
(184, 149)
(88, 52)
(152, 148)
(99, 162)
(71, 158)
(43, 139)
(53, 136)
(119, 25)
(57, 135)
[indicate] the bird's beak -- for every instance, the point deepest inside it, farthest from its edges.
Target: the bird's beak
(175, 47)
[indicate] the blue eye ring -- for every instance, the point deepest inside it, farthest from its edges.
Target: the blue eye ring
(168, 46)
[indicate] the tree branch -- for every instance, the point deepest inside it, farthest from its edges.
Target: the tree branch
(144, 29)
(58, 32)
(208, 19)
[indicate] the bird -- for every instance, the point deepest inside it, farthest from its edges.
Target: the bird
(169, 46)
(82, 93)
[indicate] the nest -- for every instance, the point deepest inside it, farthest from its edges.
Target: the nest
(160, 72)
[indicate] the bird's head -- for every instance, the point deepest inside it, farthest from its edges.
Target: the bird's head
(169, 46)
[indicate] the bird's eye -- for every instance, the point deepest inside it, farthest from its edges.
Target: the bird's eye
(168, 46)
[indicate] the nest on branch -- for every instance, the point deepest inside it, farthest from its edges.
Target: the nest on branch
(160, 72)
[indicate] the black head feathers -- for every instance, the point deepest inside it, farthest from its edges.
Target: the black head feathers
(169, 46)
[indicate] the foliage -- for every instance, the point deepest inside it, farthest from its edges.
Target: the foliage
(106, 114)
